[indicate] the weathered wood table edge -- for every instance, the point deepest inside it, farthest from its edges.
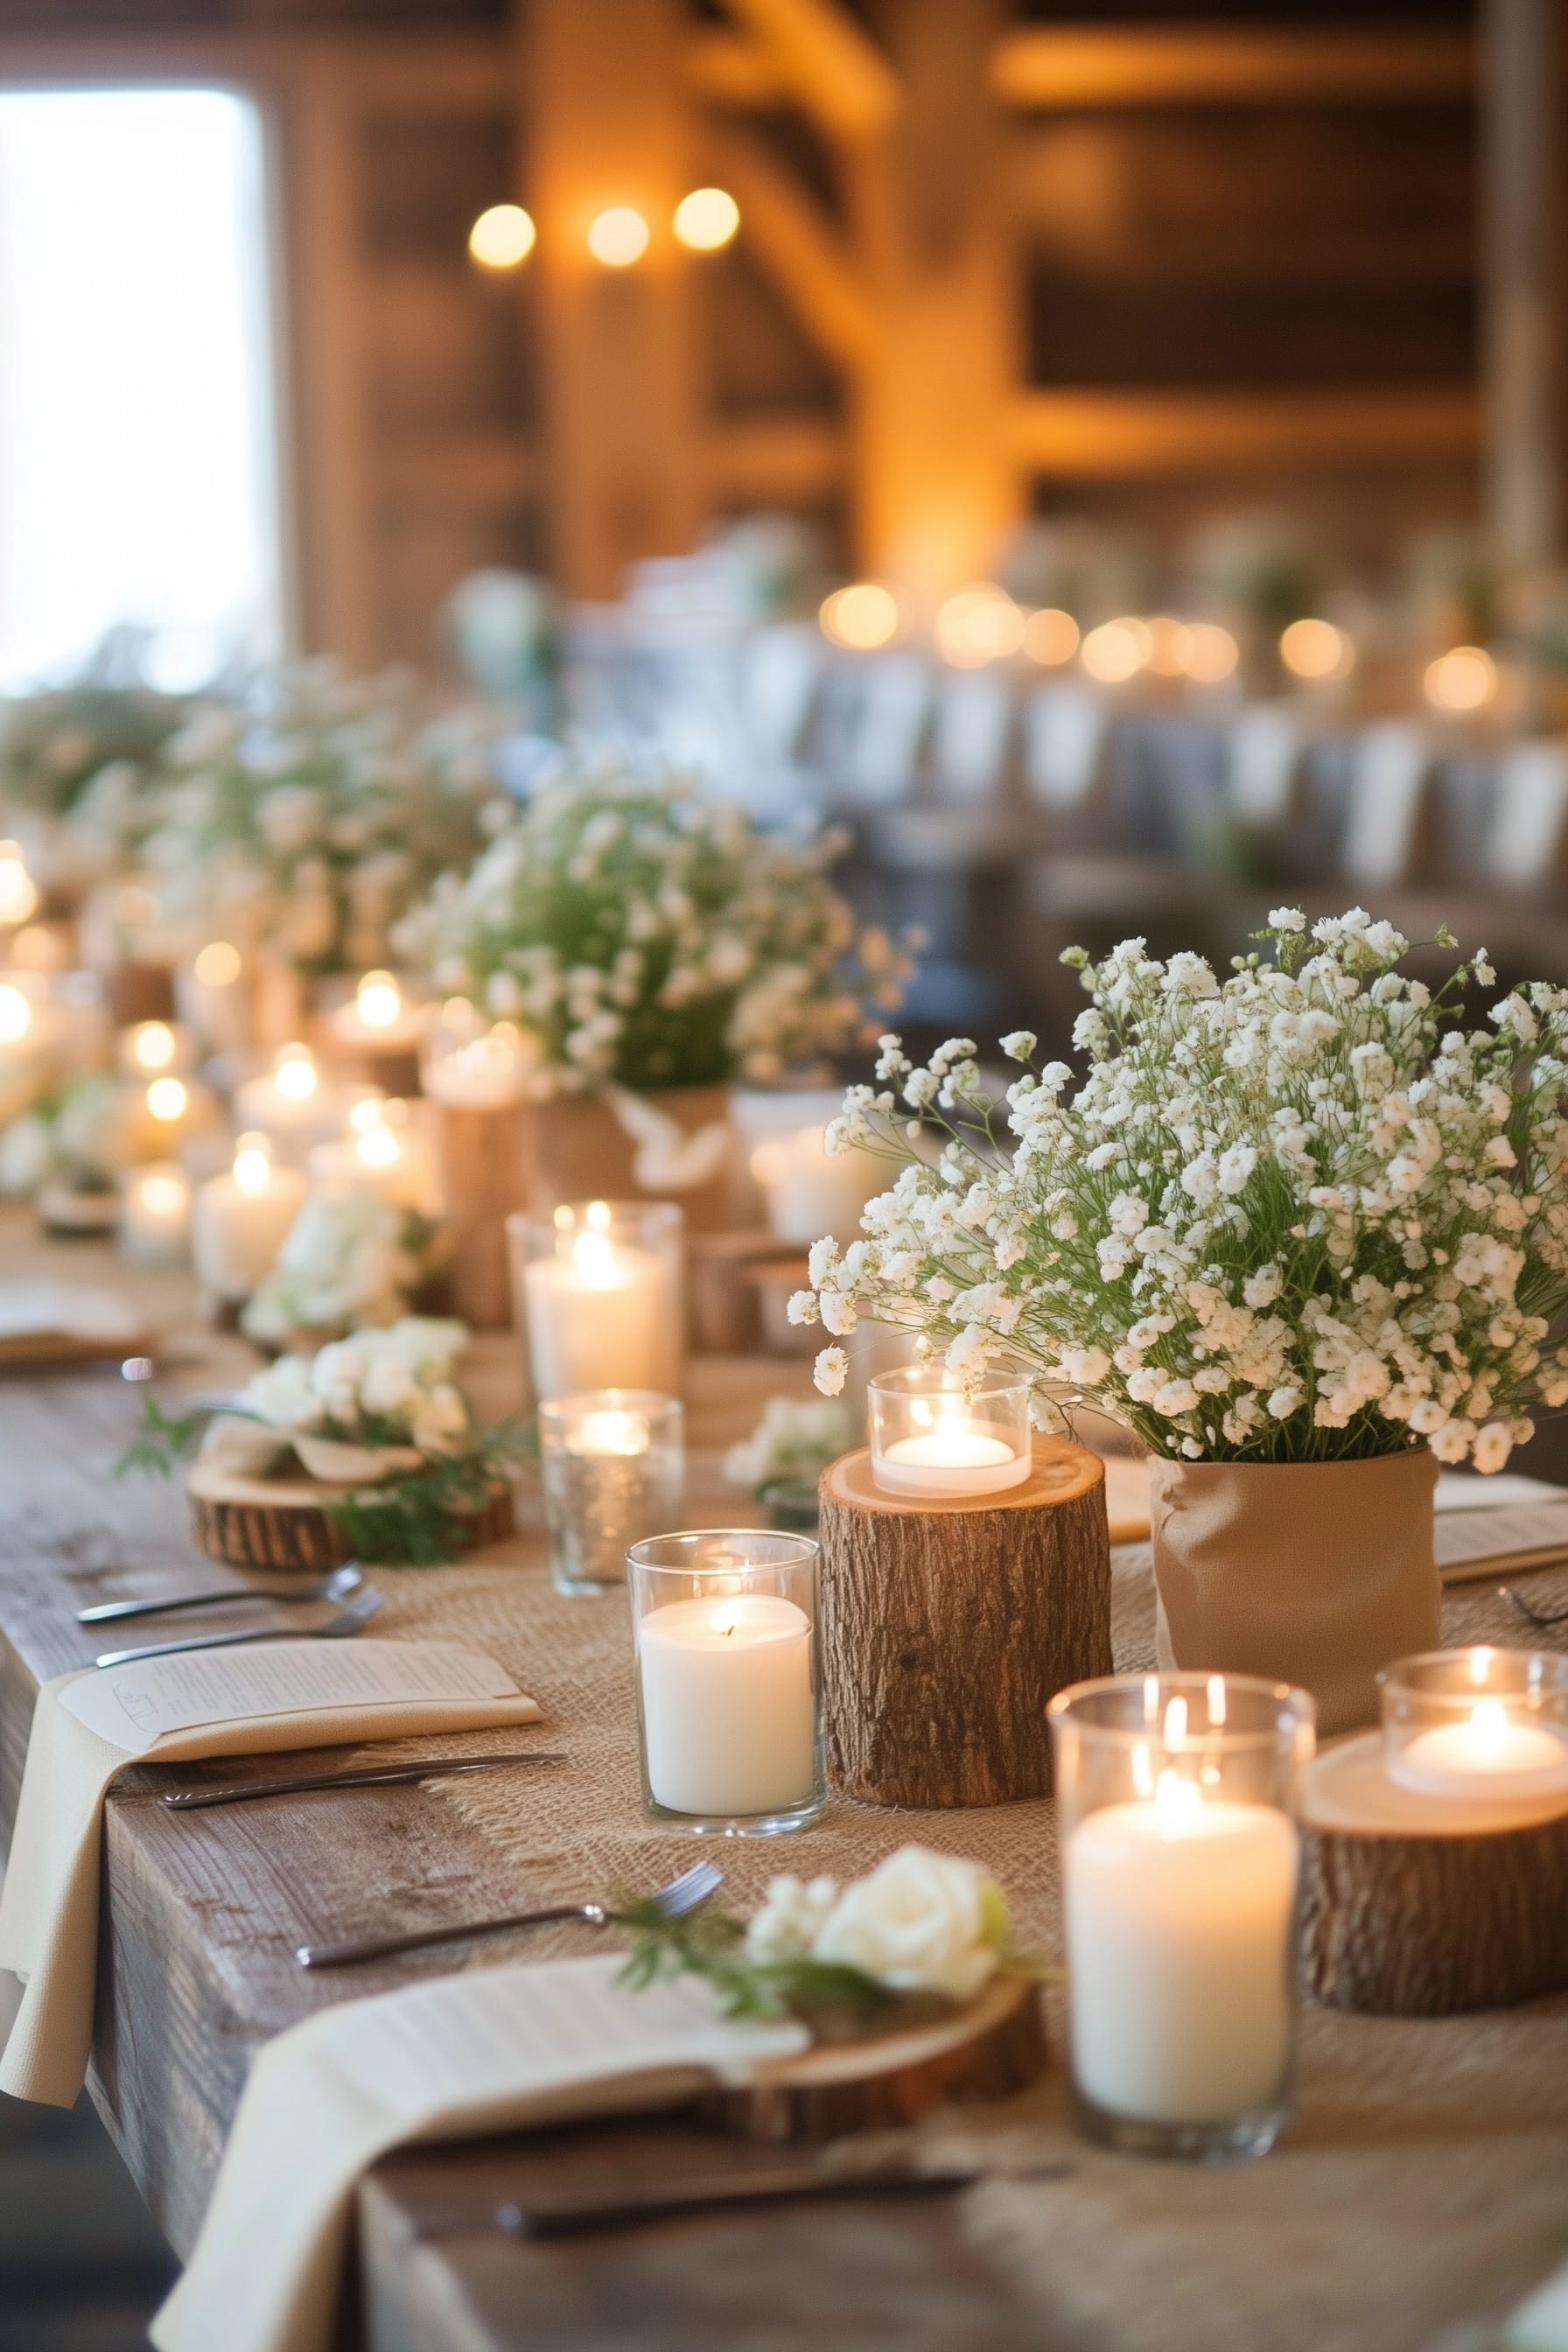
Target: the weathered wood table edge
(188, 1988)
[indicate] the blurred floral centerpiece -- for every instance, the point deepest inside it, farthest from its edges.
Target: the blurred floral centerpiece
(350, 1259)
(647, 937)
(77, 773)
(1302, 1231)
(303, 826)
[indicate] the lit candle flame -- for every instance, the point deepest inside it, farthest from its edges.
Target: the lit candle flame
(15, 1014)
(218, 965)
(153, 1045)
(167, 1099)
(294, 1074)
(252, 1164)
(378, 1000)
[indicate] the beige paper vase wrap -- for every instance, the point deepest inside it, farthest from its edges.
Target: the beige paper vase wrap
(1315, 1573)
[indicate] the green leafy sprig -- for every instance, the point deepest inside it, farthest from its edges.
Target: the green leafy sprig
(712, 1945)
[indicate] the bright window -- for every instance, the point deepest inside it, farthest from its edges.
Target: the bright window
(137, 466)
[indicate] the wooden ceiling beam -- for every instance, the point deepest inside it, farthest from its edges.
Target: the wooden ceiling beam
(1051, 66)
(798, 246)
(1119, 435)
(727, 69)
(827, 64)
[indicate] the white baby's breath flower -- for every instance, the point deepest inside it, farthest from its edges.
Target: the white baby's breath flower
(831, 1370)
(793, 1915)
(1019, 1045)
(802, 1306)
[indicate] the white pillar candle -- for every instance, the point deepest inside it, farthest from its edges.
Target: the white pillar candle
(378, 1017)
(382, 1154)
(155, 1217)
(602, 1315)
(805, 1193)
(212, 997)
(486, 1072)
(728, 1716)
(1179, 1914)
(242, 1220)
(957, 1459)
(292, 1106)
(1493, 1753)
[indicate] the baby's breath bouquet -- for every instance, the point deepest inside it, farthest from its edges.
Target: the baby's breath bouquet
(306, 824)
(52, 745)
(1304, 1215)
(649, 938)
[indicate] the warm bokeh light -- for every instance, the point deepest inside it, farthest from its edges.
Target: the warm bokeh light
(1051, 636)
(977, 624)
(168, 1099)
(252, 1163)
(1464, 680)
(617, 236)
(294, 1074)
(164, 1193)
(706, 219)
(378, 1147)
(1315, 649)
(378, 1000)
(15, 1014)
(134, 907)
(502, 237)
(1117, 650)
(153, 1045)
(218, 965)
(369, 1112)
(1212, 652)
(18, 891)
(861, 616)
(41, 947)
(1170, 647)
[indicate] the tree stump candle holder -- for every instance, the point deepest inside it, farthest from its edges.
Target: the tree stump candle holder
(281, 1524)
(1417, 1906)
(949, 1625)
(486, 1174)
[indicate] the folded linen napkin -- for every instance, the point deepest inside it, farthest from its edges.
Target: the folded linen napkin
(247, 1701)
(466, 2055)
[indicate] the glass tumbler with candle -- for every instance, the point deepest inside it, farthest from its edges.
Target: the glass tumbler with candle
(933, 1436)
(1181, 1865)
(599, 1294)
(1479, 1723)
(729, 1680)
(614, 1467)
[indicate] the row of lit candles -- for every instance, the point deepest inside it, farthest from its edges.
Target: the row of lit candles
(617, 236)
(982, 624)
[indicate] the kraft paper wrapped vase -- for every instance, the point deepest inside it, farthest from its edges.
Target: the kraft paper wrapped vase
(1314, 1573)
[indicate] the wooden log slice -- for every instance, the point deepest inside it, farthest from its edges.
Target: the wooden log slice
(1426, 1907)
(279, 1523)
(992, 2048)
(947, 1627)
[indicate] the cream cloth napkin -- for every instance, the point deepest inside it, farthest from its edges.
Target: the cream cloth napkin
(48, 1906)
(468, 2055)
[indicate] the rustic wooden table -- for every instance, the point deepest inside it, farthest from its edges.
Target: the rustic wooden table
(1423, 2190)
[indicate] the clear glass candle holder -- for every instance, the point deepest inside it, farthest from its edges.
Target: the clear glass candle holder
(930, 1435)
(1479, 1724)
(728, 1677)
(614, 1465)
(598, 1292)
(1181, 1866)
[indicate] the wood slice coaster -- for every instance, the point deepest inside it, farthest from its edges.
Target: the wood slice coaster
(1427, 1906)
(279, 1523)
(992, 2048)
(948, 1626)
(67, 1212)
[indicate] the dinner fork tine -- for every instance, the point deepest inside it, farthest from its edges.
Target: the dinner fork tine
(676, 1901)
(348, 1620)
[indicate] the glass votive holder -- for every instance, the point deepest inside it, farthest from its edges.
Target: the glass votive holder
(154, 1222)
(614, 1465)
(1180, 1863)
(729, 1680)
(1482, 1724)
(598, 1290)
(932, 1436)
(472, 1062)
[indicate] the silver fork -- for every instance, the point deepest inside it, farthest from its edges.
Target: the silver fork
(336, 1587)
(1528, 1608)
(682, 1895)
(348, 1620)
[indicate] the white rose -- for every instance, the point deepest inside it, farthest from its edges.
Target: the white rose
(282, 1394)
(923, 1922)
(388, 1388)
(441, 1425)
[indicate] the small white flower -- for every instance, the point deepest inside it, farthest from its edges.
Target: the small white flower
(922, 1922)
(802, 1306)
(792, 1915)
(831, 1370)
(1019, 1045)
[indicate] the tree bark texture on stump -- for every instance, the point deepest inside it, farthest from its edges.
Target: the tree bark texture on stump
(1424, 1906)
(949, 1625)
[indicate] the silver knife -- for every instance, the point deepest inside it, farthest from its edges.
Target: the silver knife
(359, 1776)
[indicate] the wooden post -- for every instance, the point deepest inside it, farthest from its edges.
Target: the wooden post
(1416, 1907)
(604, 94)
(947, 1627)
(1523, 200)
(486, 1174)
